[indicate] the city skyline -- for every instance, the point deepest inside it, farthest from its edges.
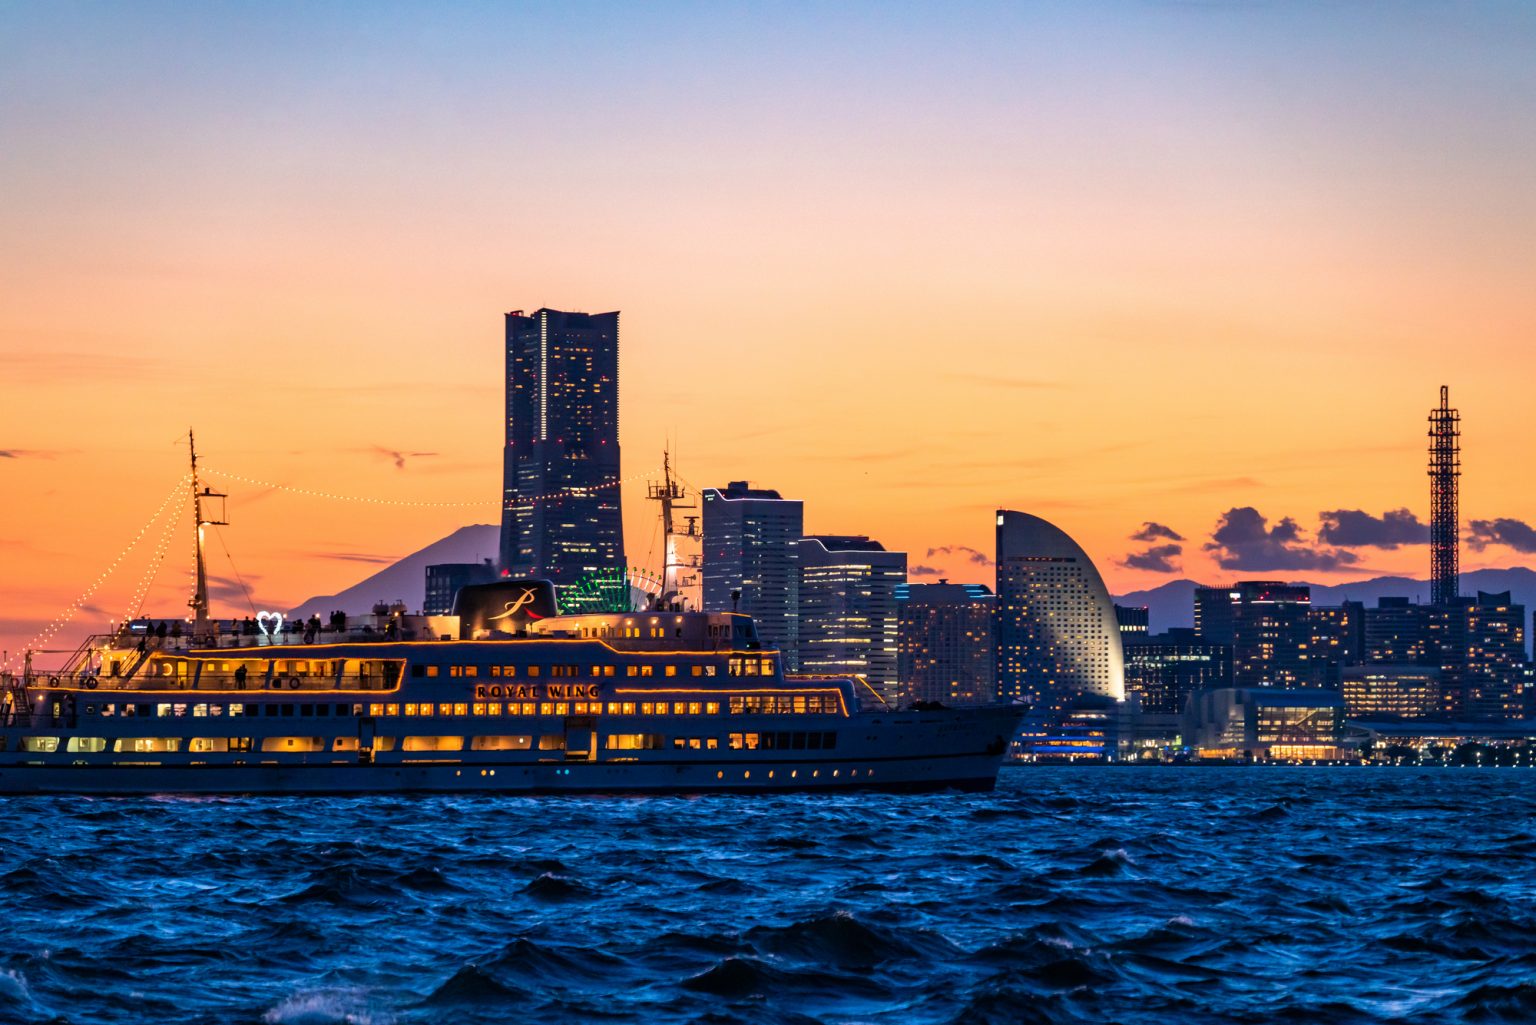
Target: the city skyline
(1144, 332)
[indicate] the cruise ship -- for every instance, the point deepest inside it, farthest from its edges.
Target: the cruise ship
(505, 694)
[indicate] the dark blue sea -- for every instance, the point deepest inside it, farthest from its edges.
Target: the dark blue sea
(1068, 895)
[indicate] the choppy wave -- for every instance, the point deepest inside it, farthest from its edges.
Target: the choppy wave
(1114, 895)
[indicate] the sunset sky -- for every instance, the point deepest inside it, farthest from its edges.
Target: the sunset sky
(1113, 264)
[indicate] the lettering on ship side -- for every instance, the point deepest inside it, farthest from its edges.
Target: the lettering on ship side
(532, 692)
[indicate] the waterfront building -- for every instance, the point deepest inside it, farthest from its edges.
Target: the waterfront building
(749, 560)
(1081, 728)
(944, 644)
(1267, 624)
(560, 513)
(846, 605)
(1265, 723)
(445, 578)
(1402, 691)
(1057, 635)
(1163, 670)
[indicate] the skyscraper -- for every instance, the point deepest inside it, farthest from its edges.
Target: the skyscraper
(560, 513)
(749, 559)
(846, 603)
(1269, 626)
(1057, 635)
(944, 643)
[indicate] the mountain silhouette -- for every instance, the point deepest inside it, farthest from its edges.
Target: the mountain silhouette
(406, 580)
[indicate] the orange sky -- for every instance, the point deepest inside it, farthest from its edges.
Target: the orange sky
(1105, 264)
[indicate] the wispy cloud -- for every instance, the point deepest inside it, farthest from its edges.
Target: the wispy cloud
(1506, 531)
(970, 554)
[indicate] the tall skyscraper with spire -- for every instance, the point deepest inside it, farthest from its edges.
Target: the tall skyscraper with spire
(561, 515)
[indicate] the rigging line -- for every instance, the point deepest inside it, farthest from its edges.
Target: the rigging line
(220, 535)
(46, 634)
(366, 500)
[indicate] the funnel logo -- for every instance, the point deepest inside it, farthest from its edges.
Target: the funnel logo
(528, 597)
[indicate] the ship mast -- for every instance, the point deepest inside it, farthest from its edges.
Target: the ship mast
(677, 568)
(199, 600)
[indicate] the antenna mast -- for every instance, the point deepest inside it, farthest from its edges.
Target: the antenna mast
(199, 600)
(1444, 469)
(679, 571)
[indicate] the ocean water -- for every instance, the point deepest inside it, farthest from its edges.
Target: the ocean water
(1068, 895)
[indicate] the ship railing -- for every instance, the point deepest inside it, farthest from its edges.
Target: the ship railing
(218, 682)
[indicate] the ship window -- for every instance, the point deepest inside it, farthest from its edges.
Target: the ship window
(635, 741)
(162, 710)
(613, 708)
(694, 708)
(39, 745)
(306, 709)
(322, 709)
(344, 744)
(712, 708)
(647, 670)
(287, 709)
(813, 741)
(147, 744)
(767, 667)
(500, 743)
(201, 745)
(270, 710)
(681, 743)
(479, 708)
(200, 711)
(631, 670)
(391, 709)
(533, 670)
(493, 708)
(546, 708)
(736, 743)
(610, 670)
(460, 708)
(671, 670)
(425, 708)
(410, 709)
(828, 741)
(295, 744)
(696, 671)
(108, 709)
(445, 709)
(695, 743)
(433, 744)
(552, 742)
(597, 671)
(562, 708)
(375, 709)
(679, 708)
(709, 670)
(799, 742)
(712, 743)
(528, 707)
(749, 666)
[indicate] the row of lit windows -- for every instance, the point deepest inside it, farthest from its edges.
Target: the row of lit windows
(814, 704)
(737, 667)
(780, 741)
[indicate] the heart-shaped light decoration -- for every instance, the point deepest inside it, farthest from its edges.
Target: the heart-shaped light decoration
(275, 618)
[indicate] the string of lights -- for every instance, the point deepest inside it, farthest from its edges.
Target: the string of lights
(46, 634)
(162, 548)
(367, 500)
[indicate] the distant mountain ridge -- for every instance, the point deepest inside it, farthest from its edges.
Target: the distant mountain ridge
(406, 580)
(1173, 603)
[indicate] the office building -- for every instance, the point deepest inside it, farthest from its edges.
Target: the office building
(1266, 623)
(561, 514)
(749, 559)
(1163, 670)
(846, 605)
(1057, 635)
(1400, 691)
(445, 578)
(944, 647)
(1396, 633)
(1134, 621)
(1492, 668)
(1336, 638)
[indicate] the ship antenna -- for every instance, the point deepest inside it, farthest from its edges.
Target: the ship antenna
(671, 495)
(199, 600)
